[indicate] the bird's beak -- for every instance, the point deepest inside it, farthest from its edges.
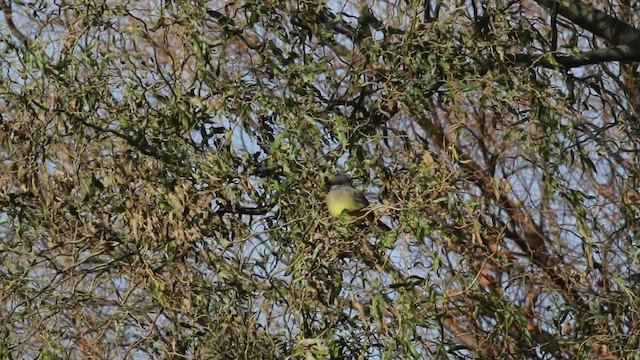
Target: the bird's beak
(328, 184)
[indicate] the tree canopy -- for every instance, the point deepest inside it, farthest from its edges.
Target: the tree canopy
(164, 166)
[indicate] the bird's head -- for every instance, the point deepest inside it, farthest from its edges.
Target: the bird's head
(340, 179)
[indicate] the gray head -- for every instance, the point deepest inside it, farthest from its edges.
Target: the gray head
(340, 179)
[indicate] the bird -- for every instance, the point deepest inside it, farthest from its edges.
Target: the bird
(342, 197)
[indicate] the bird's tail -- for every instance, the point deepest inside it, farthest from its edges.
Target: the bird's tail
(372, 219)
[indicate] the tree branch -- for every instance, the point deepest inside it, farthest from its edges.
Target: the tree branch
(619, 53)
(595, 21)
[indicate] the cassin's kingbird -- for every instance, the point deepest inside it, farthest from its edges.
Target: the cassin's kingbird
(343, 197)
